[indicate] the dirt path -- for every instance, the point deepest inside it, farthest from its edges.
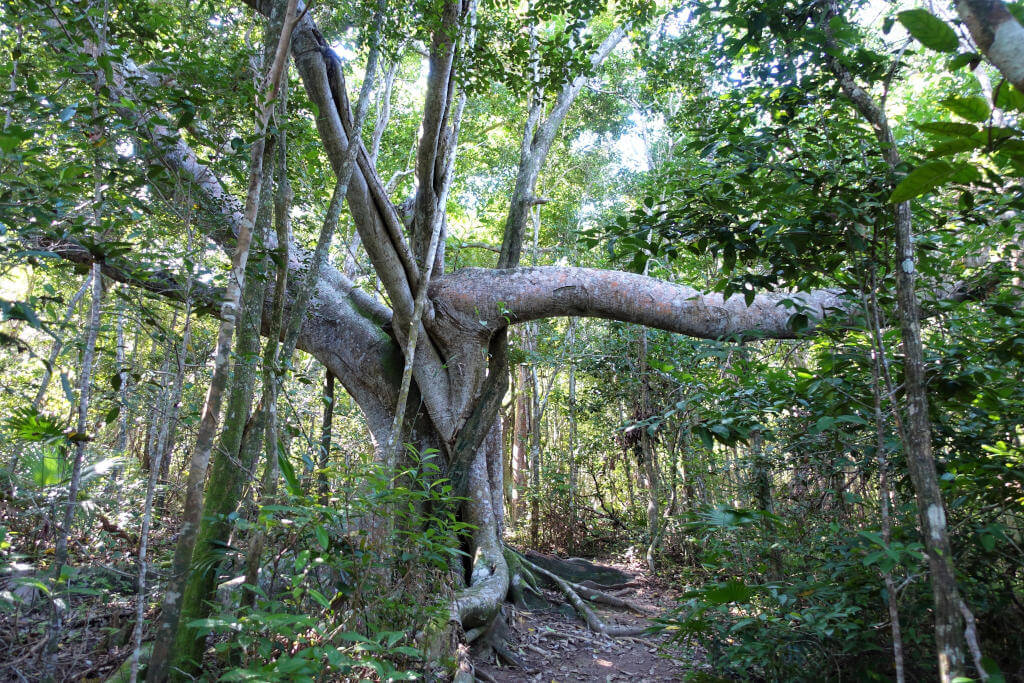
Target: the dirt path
(557, 647)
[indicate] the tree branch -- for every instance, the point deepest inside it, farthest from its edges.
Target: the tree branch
(491, 299)
(998, 35)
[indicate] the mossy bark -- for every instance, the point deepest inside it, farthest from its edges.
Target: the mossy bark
(229, 471)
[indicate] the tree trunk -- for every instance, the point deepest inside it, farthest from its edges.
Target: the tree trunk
(645, 448)
(917, 442)
(155, 473)
(534, 458)
(573, 465)
(520, 445)
(323, 485)
(159, 668)
(60, 555)
(228, 470)
(58, 344)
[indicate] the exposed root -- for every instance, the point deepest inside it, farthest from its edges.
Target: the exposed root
(577, 570)
(482, 675)
(592, 620)
(614, 587)
(502, 650)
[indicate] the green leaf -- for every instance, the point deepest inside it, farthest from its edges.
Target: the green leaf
(929, 30)
(974, 108)
(1008, 97)
(732, 591)
(67, 113)
(925, 177)
(321, 537)
(962, 60)
(288, 472)
(955, 146)
(950, 129)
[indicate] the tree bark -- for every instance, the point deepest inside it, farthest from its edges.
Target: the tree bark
(323, 485)
(917, 442)
(999, 36)
(60, 555)
(159, 667)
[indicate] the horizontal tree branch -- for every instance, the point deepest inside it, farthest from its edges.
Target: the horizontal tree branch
(486, 300)
(156, 280)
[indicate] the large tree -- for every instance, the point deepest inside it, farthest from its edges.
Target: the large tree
(459, 319)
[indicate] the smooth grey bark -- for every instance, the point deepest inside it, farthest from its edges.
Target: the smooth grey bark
(495, 298)
(998, 34)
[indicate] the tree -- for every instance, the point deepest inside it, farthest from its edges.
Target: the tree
(450, 328)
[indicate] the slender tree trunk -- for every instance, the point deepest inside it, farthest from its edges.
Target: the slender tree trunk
(534, 458)
(58, 344)
(325, 437)
(520, 444)
(884, 490)
(762, 485)
(230, 466)
(917, 443)
(573, 465)
(156, 467)
(122, 388)
(60, 555)
(647, 454)
(162, 649)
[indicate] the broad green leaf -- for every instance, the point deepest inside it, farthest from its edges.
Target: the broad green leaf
(929, 30)
(950, 129)
(288, 472)
(925, 177)
(321, 537)
(1008, 97)
(972, 108)
(950, 147)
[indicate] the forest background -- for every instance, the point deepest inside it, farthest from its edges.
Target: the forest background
(730, 287)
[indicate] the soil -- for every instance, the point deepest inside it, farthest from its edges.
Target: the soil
(557, 647)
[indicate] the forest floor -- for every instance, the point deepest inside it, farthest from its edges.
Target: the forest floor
(557, 647)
